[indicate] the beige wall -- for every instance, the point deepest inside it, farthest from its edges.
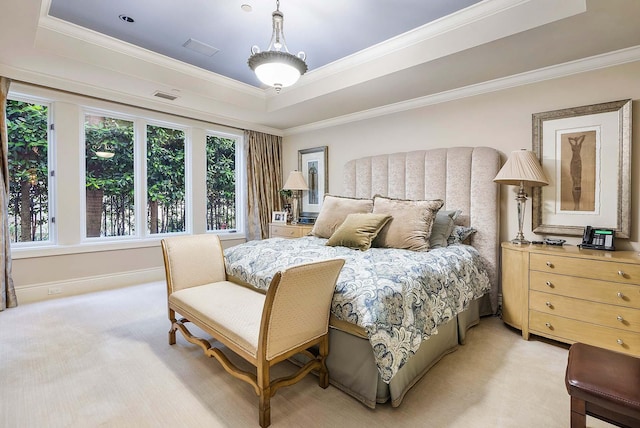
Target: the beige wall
(499, 119)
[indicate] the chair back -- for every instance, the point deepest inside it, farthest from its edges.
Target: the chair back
(297, 306)
(192, 260)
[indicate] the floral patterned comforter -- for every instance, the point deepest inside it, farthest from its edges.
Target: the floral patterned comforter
(398, 296)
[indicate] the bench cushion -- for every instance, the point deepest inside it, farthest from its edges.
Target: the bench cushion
(217, 306)
(605, 378)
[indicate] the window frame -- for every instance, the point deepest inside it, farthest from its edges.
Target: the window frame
(240, 178)
(51, 163)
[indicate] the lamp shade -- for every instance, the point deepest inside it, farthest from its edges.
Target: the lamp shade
(522, 167)
(295, 181)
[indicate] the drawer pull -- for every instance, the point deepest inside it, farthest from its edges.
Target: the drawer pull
(549, 264)
(622, 274)
(549, 284)
(620, 295)
(619, 318)
(548, 325)
(620, 342)
(549, 305)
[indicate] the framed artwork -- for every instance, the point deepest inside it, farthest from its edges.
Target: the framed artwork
(279, 217)
(313, 165)
(586, 154)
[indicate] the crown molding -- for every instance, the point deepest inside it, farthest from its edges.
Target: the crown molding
(92, 37)
(611, 59)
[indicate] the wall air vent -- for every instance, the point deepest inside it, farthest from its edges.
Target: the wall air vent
(164, 95)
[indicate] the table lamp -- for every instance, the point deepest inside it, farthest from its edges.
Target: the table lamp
(296, 183)
(522, 169)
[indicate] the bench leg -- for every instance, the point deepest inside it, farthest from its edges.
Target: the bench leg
(323, 372)
(578, 413)
(172, 331)
(264, 385)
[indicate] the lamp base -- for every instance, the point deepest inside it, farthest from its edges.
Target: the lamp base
(518, 241)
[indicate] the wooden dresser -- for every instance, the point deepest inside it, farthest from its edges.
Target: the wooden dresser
(282, 230)
(573, 295)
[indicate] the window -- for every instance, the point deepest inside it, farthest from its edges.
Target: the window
(221, 183)
(134, 180)
(29, 199)
(109, 148)
(166, 209)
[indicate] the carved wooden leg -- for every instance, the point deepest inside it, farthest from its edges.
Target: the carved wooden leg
(172, 331)
(323, 352)
(264, 385)
(578, 413)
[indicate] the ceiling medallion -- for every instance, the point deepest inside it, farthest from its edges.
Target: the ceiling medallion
(276, 67)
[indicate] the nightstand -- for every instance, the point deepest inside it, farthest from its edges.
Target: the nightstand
(282, 230)
(573, 295)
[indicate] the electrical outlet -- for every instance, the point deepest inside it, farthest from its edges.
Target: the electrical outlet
(55, 290)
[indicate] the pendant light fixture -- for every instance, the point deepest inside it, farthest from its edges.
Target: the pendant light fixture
(276, 67)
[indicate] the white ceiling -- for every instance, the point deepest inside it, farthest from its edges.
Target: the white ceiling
(475, 49)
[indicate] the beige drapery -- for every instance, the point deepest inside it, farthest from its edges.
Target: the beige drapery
(264, 180)
(7, 291)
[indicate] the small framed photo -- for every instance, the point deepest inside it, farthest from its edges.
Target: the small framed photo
(279, 217)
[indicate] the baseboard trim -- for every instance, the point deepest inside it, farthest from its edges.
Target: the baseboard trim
(56, 289)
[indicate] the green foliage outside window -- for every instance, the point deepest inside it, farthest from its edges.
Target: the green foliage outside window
(221, 183)
(27, 132)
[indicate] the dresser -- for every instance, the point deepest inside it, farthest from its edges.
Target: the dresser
(573, 295)
(283, 230)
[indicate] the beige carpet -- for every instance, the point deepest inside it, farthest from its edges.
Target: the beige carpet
(102, 360)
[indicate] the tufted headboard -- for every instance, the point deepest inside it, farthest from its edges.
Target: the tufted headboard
(461, 176)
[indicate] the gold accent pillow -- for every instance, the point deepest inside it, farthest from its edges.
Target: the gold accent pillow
(410, 227)
(358, 230)
(335, 210)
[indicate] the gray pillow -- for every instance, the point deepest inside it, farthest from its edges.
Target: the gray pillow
(442, 227)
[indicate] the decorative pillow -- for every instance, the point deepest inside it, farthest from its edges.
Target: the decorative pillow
(442, 228)
(411, 224)
(358, 230)
(461, 235)
(335, 210)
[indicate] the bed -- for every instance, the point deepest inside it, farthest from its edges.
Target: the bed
(396, 318)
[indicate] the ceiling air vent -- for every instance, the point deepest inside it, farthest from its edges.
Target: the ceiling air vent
(201, 48)
(164, 95)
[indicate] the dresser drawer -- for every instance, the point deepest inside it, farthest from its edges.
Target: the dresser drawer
(585, 310)
(603, 270)
(569, 330)
(288, 231)
(614, 293)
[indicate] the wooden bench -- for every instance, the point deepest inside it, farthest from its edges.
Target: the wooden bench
(603, 384)
(264, 330)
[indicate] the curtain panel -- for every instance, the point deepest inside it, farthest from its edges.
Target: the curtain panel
(264, 180)
(7, 291)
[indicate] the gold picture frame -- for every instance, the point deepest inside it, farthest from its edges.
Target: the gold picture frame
(586, 154)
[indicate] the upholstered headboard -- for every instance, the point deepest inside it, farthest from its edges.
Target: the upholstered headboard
(461, 176)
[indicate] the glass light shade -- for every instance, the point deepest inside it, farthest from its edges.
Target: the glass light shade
(277, 74)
